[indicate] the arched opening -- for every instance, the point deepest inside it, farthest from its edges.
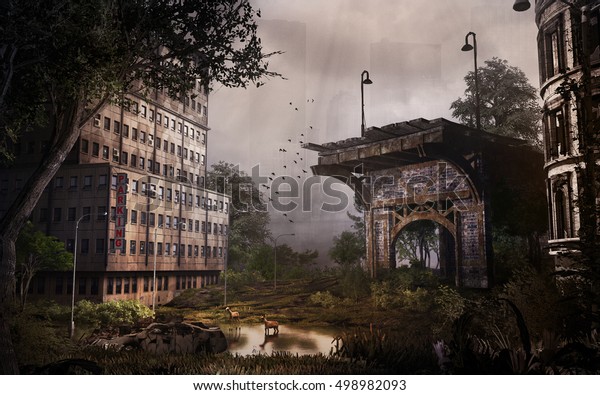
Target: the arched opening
(427, 244)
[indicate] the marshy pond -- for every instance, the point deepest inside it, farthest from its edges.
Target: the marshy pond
(251, 339)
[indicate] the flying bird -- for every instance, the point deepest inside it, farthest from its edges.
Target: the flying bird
(296, 108)
(285, 215)
(290, 140)
(304, 171)
(272, 174)
(295, 161)
(284, 166)
(290, 220)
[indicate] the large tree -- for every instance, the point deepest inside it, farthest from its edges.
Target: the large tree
(63, 60)
(508, 102)
(38, 252)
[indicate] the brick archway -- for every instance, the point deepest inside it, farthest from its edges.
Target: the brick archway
(430, 170)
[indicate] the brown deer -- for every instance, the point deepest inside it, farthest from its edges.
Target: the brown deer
(233, 315)
(270, 325)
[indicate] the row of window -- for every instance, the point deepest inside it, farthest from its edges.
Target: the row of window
(135, 161)
(145, 219)
(118, 285)
(147, 248)
(553, 43)
(109, 124)
(162, 193)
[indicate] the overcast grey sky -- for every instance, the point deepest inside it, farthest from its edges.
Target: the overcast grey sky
(411, 49)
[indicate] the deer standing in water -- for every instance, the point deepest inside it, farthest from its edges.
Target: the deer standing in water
(233, 315)
(270, 325)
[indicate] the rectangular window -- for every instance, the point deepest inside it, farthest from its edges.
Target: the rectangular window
(85, 246)
(102, 180)
(107, 122)
(94, 285)
(134, 285)
(95, 149)
(105, 152)
(125, 130)
(97, 119)
(99, 246)
(118, 285)
(134, 134)
(142, 247)
(58, 285)
(101, 213)
(167, 248)
(110, 285)
(143, 111)
(87, 182)
(71, 214)
(117, 127)
(82, 286)
(56, 217)
(132, 247)
(85, 146)
(126, 285)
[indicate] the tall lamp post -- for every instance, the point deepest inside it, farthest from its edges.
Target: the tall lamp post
(469, 47)
(275, 258)
(364, 79)
(72, 326)
(154, 271)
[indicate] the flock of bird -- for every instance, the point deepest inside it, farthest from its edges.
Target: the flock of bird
(293, 160)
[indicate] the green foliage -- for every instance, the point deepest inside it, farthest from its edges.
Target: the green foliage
(538, 299)
(37, 252)
(113, 313)
(449, 303)
(510, 254)
(324, 299)
(354, 283)
(416, 242)
(37, 338)
(237, 280)
(348, 249)
(508, 102)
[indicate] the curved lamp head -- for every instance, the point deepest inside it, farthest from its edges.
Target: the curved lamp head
(365, 78)
(521, 5)
(467, 46)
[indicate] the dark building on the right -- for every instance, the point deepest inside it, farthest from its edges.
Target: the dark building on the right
(570, 89)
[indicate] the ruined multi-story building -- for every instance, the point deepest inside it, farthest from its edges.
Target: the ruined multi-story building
(561, 56)
(130, 202)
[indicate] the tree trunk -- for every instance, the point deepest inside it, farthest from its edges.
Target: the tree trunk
(66, 132)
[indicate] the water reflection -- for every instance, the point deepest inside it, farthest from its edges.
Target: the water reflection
(252, 340)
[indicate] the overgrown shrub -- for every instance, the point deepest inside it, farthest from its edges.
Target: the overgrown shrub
(36, 336)
(324, 299)
(538, 299)
(450, 304)
(355, 283)
(113, 313)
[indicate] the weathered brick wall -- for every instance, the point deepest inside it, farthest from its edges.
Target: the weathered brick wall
(414, 192)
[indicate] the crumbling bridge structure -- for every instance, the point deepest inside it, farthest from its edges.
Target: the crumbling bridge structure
(465, 180)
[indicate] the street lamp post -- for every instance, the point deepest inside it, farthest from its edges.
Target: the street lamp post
(364, 79)
(469, 47)
(72, 326)
(275, 258)
(154, 271)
